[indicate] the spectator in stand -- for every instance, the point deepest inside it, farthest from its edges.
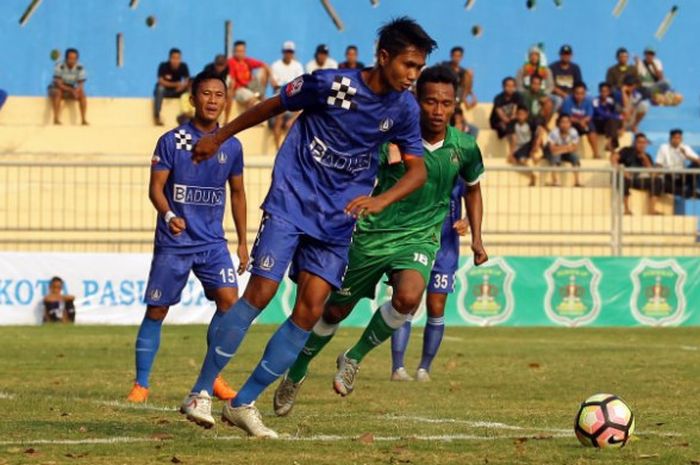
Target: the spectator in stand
(460, 122)
(561, 146)
(675, 155)
(504, 108)
(565, 73)
(636, 156)
(630, 104)
(524, 141)
(58, 307)
(248, 77)
(619, 71)
(283, 71)
(219, 67)
(173, 81)
(579, 107)
(606, 120)
(535, 66)
(654, 85)
(69, 79)
(321, 60)
(465, 77)
(3, 98)
(540, 107)
(351, 61)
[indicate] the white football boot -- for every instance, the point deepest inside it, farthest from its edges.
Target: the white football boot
(344, 380)
(247, 418)
(422, 375)
(197, 409)
(400, 374)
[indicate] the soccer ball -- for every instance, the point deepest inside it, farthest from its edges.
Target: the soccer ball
(604, 420)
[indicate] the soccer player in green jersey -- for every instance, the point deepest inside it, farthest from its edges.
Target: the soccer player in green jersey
(401, 241)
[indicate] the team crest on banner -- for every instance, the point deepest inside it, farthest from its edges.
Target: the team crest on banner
(486, 292)
(572, 297)
(658, 298)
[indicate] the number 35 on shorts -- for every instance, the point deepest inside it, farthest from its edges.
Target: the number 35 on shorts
(228, 275)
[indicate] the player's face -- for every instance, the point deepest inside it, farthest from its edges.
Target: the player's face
(437, 105)
(210, 100)
(401, 70)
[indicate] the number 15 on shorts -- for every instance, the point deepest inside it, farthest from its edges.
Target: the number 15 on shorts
(228, 275)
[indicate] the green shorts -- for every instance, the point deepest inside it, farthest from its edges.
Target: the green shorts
(365, 271)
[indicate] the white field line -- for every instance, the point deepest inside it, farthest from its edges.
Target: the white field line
(128, 406)
(453, 338)
(6, 395)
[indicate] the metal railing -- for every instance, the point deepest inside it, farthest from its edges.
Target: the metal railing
(105, 207)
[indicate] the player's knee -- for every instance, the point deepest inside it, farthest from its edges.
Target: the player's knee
(406, 300)
(334, 314)
(156, 313)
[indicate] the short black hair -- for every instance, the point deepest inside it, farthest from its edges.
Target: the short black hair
(350, 47)
(72, 50)
(675, 131)
(174, 50)
(56, 279)
(562, 116)
(535, 76)
(206, 76)
(401, 33)
(578, 84)
(239, 42)
(506, 79)
(457, 48)
(640, 135)
(438, 74)
(629, 80)
(523, 108)
(604, 84)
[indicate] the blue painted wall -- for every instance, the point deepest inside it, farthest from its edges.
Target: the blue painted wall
(197, 27)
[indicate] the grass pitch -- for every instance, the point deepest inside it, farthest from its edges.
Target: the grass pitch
(498, 396)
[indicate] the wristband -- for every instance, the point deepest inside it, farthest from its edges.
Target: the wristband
(169, 215)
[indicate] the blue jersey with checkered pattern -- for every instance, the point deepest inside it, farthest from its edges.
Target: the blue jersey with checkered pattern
(331, 153)
(195, 192)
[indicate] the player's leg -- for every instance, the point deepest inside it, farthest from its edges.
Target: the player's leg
(399, 343)
(432, 333)
(317, 268)
(274, 248)
(167, 278)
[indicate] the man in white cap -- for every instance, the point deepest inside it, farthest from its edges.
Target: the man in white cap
(284, 70)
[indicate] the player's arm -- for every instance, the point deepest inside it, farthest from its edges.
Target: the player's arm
(210, 143)
(413, 179)
(157, 196)
(474, 205)
(239, 211)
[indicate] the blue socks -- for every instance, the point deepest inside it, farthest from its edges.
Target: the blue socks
(432, 337)
(399, 342)
(281, 352)
(224, 341)
(147, 343)
(214, 325)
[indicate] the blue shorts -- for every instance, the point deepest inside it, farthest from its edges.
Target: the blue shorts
(280, 244)
(170, 272)
(442, 276)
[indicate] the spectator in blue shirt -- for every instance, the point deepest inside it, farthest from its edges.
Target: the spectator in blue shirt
(579, 107)
(606, 120)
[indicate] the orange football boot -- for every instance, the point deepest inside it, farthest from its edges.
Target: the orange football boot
(138, 394)
(222, 390)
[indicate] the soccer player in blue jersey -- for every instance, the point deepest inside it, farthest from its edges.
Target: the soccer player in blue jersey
(190, 200)
(441, 284)
(322, 178)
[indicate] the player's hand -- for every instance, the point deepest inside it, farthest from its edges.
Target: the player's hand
(177, 225)
(243, 258)
(364, 205)
(480, 255)
(461, 226)
(205, 148)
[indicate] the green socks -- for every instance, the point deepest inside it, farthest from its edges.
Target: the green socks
(384, 322)
(313, 346)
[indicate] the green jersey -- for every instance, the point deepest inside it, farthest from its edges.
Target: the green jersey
(418, 218)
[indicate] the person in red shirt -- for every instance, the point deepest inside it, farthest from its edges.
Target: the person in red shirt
(247, 86)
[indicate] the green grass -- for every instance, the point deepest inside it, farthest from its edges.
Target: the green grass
(56, 383)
